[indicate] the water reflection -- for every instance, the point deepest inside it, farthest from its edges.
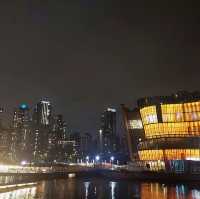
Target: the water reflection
(97, 188)
(195, 193)
(87, 185)
(113, 187)
(27, 193)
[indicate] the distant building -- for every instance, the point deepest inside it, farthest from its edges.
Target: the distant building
(2, 117)
(5, 140)
(57, 140)
(86, 144)
(5, 145)
(42, 126)
(43, 113)
(71, 154)
(107, 133)
(76, 138)
(22, 129)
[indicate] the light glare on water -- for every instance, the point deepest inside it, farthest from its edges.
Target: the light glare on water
(103, 189)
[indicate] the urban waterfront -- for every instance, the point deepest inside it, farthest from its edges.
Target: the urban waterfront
(91, 188)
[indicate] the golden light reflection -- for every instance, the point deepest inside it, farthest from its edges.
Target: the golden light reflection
(161, 191)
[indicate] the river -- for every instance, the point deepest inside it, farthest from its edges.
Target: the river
(98, 188)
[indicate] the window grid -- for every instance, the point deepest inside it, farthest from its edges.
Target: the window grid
(149, 115)
(181, 112)
(169, 154)
(182, 129)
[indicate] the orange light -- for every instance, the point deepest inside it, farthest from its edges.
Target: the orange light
(169, 154)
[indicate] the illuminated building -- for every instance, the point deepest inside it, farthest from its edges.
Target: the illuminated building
(21, 116)
(107, 133)
(171, 127)
(5, 140)
(43, 113)
(75, 137)
(86, 144)
(57, 140)
(135, 130)
(5, 145)
(22, 132)
(42, 125)
(70, 151)
(2, 117)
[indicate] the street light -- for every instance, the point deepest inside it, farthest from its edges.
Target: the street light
(24, 162)
(97, 158)
(112, 158)
(87, 159)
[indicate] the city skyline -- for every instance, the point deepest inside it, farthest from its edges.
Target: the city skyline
(99, 99)
(7, 113)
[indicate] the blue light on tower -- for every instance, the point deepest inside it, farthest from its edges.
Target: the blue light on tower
(23, 106)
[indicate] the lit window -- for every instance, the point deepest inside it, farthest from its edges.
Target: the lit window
(135, 124)
(149, 115)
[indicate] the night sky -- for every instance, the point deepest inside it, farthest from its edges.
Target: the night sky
(90, 54)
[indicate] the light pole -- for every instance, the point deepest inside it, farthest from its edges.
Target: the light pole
(101, 140)
(111, 161)
(97, 158)
(87, 159)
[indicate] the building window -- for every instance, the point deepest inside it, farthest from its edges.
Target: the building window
(135, 124)
(149, 115)
(170, 154)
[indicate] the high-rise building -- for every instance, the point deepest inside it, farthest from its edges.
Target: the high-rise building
(21, 116)
(2, 117)
(107, 132)
(42, 125)
(57, 140)
(43, 113)
(76, 138)
(86, 144)
(22, 132)
(5, 145)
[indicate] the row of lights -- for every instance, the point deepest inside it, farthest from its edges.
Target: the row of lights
(97, 158)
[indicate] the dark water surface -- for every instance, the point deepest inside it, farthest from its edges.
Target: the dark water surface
(99, 188)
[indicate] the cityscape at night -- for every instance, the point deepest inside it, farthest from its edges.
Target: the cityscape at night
(100, 99)
(38, 135)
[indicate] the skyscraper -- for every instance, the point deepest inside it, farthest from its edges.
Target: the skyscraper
(57, 140)
(42, 113)
(107, 132)
(42, 125)
(86, 144)
(22, 132)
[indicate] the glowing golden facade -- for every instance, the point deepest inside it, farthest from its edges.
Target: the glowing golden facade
(180, 120)
(170, 154)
